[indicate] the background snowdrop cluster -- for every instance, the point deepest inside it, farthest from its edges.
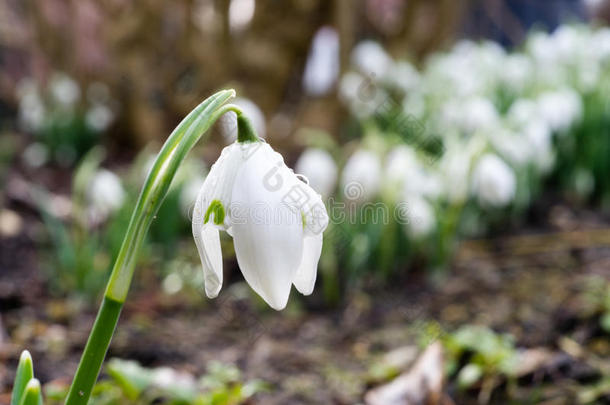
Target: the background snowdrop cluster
(65, 119)
(468, 140)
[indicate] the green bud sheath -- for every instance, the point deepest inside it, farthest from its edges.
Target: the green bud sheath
(245, 130)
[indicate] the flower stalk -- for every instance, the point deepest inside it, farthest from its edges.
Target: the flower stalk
(159, 179)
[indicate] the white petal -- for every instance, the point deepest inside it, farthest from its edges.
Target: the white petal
(219, 182)
(208, 245)
(211, 258)
(268, 234)
(305, 278)
(313, 212)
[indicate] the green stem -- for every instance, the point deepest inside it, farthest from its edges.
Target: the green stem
(173, 152)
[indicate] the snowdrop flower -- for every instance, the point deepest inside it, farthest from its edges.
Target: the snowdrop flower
(479, 114)
(400, 161)
(516, 71)
(275, 219)
(561, 108)
(31, 107)
(423, 182)
(414, 105)
(99, 117)
(567, 43)
(588, 75)
(420, 216)
(320, 168)
(512, 146)
(189, 193)
(542, 48)
(402, 75)
(64, 89)
(228, 122)
(241, 13)
(105, 194)
(494, 182)
(322, 67)
(600, 43)
(404, 171)
(539, 137)
(371, 59)
(36, 154)
(522, 111)
(455, 166)
(361, 94)
(361, 176)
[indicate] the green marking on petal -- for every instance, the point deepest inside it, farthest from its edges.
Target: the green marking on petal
(303, 219)
(218, 210)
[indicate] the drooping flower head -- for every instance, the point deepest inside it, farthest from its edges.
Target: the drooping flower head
(275, 218)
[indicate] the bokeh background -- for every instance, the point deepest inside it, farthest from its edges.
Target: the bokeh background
(462, 148)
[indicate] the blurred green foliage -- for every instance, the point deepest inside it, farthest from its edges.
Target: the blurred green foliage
(130, 383)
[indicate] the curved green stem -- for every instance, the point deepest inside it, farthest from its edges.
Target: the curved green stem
(173, 152)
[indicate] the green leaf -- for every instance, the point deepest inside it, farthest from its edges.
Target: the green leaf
(32, 394)
(25, 372)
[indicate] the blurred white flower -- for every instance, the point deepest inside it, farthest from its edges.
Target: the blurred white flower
(421, 219)
(320, 169)
(188, 181)
(512, 146)
(479, 113)
(414, 105)
(36, 154)
(600, 43)
(105, 194)
(583, 182)
(64, 89)
(561, 108)
(188, 194)
(588, 75)
(542, 48)
(403, 76)
(494, 182)
(322, 67)
(361, 176)
(400, 161)
(539, 136)
(172, 284)
(516, 72)
(567, 43)
(167, 378)
(228, 122)
(99, 117)
(241, 13)
(371, 59)
(455, 168)
(405, 173)
(31, 107)
(361, 94)
(522, 111)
